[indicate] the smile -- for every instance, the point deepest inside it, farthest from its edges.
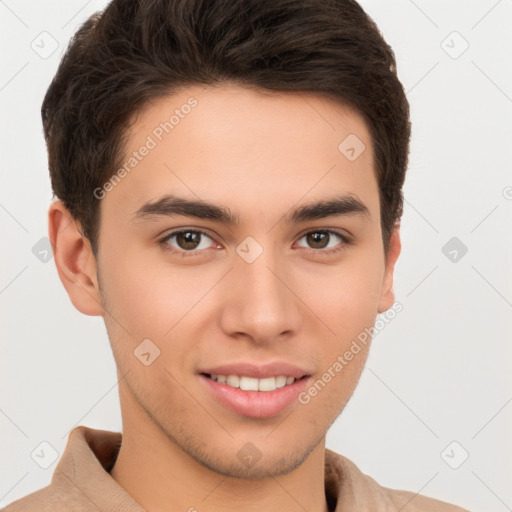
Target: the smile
(254, 397)
(252, 384)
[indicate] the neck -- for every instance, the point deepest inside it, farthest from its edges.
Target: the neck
(160, 476)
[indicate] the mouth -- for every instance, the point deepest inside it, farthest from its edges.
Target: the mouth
(252, 397)
(246, 383)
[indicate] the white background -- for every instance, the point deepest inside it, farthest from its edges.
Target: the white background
(439, 372)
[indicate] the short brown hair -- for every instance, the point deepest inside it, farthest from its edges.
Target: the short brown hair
(137, 50)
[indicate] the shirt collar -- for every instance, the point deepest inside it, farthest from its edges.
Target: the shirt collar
(91, 453)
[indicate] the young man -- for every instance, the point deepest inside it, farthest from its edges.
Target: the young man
(229, 181)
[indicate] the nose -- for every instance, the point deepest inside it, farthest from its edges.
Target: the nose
(261, 303)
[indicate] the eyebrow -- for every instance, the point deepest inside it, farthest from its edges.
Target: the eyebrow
(170, 205)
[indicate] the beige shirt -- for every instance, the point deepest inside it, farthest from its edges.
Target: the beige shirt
(82, 483)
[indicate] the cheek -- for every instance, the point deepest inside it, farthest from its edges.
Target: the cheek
(331, 390)
(153, 302)
(348, 298)
(138, 294)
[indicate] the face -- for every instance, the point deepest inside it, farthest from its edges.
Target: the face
(258, 285)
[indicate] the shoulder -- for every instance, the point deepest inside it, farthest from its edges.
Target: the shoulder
(354, 490)
(419, 503)
(81, 481)
(42, 500)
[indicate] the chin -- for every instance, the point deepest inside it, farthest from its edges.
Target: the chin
(250, 462)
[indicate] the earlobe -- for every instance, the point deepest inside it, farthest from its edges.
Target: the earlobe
(388, 295)
(75, 262)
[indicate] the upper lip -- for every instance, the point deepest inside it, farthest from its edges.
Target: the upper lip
(257, 371)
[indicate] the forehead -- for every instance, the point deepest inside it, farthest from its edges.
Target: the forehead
(234, 145)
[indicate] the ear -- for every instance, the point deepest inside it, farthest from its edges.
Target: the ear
(75, 261)
(387, 297)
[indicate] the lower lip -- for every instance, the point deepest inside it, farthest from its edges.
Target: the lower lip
(255, 404)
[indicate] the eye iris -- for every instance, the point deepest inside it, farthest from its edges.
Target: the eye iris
(188, 239)
(318, 237)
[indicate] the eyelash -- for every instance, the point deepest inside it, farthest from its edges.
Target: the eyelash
(182, 253)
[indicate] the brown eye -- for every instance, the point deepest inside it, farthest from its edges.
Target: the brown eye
(318, 239)
(187, 241)
(325, 241)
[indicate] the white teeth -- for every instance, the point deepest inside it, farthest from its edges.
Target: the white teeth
(268, 384)
(253, 384)
(233, 381)
(248, 384)
(280, 381)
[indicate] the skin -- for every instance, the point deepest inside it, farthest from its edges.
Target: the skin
(259, 154)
